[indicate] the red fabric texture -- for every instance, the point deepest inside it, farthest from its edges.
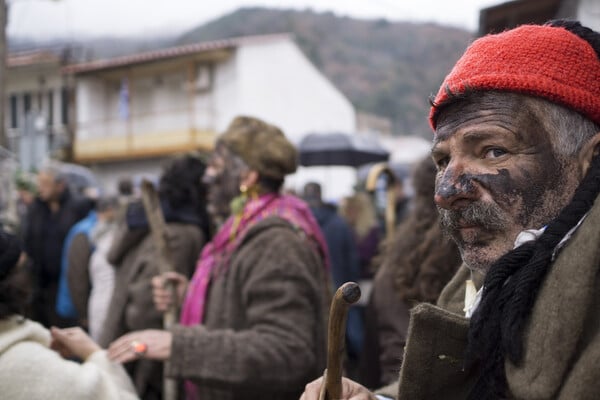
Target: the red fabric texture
(543, 61)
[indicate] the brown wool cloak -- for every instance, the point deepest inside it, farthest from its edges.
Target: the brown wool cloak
(562, 340)
(264, 331)
(135, 258)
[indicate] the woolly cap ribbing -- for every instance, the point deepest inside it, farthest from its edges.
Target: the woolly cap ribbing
(262, 146)
(542, 61)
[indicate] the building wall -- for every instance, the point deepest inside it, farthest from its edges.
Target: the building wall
(34, 119)
(133, 115)
(270, 80)
(91, 108)
(226, 92)
(276, 82)
(589, 14)
(35, 81)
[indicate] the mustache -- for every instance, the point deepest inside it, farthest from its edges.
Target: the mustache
(486, 215)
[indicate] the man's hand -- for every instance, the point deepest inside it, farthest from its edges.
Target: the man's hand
(350, 391)
(153, 344)
(72, 342)
(161, 296)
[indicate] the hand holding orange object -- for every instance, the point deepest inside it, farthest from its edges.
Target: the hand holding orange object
(152, 344)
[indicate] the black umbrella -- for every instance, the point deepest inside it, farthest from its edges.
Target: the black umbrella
(340, 149)
(78, 177)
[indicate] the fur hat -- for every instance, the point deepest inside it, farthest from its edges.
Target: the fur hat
(547, 61)
(10, 251)
(263, 147)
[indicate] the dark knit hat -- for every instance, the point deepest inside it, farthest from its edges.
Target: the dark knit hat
(543, 61)
(263, 147)
(10, 251)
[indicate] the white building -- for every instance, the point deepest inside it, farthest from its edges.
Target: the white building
(133, 111)
(37, 106)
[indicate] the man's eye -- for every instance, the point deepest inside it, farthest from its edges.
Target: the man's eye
(442, 162)
(494, 153)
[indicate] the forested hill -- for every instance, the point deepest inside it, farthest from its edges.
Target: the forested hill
(385, 68)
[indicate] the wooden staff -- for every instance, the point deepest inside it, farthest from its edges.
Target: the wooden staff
(158, 229)
(345, 296)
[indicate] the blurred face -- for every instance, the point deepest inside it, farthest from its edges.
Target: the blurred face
(26, 196)
(48, 188)
(497, 176)
(223, 176)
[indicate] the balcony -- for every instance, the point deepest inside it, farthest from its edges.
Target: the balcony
(144, 135)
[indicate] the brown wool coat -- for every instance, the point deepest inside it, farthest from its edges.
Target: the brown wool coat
(265, 322)
(131, 308)
(562, 341)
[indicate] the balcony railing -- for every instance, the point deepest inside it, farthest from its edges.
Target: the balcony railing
(144, 135)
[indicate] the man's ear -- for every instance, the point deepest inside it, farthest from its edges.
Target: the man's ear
(250, 178)
(589, 150)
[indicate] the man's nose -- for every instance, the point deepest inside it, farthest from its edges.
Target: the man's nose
(454, 190)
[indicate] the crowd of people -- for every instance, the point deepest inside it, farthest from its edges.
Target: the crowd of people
(486, 290)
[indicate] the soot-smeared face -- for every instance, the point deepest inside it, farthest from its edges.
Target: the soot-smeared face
(223, 176)
(497, 175)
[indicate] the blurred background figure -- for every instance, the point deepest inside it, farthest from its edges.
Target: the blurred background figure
(87, 278)
(101, 272)
(415, 265)
(25, 348)
(403, 201)
(345, 263)
(50, 217)
(26, 193)
(253, 321)
(125, 189)
(134, 256)
(338, 235)
(77, 248)
(359, 211)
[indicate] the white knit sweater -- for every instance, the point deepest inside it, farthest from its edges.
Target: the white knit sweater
(30, 370)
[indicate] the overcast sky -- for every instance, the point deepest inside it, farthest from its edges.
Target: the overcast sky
(74, 18)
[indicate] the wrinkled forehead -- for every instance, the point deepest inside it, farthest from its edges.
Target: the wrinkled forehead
(510, 111)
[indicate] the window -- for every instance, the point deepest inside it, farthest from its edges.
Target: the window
(50, 117)
(40, 101)
(26, 103)
(14, 120)
(64, 106)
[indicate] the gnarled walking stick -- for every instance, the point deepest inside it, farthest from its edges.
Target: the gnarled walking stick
(345, 296)
(158, 230)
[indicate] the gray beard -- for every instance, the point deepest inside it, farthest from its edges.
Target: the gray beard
(488, 216)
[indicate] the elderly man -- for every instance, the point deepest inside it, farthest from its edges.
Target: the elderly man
(253, 319)
(516, 146)
(50, 217)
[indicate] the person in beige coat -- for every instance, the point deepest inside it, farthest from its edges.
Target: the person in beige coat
(134, 255)
(517, 148)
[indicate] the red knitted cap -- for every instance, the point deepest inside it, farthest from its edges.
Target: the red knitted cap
(543, 61)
